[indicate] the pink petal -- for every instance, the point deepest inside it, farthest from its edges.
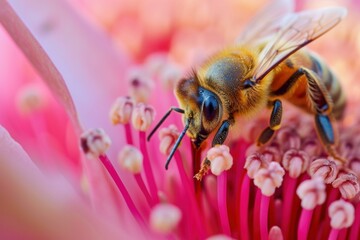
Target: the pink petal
(40, 60)
(92, 68)
(35, 206)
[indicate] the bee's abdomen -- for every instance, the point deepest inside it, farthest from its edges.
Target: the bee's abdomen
(291, 84)
(332, 85)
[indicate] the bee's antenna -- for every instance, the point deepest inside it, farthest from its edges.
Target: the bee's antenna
(179, 110)
(177, 143)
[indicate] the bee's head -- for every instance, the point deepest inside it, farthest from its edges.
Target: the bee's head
(203, 109)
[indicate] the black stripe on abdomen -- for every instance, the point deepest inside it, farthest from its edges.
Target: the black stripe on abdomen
(332, 85)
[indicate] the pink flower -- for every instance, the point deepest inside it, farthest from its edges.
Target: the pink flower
(72, 173)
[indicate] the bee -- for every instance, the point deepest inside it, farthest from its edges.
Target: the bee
(268, 65)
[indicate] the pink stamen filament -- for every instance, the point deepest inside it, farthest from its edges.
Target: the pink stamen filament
(244, 207)
(256, 214)
(120, 185)
(334, 234)
(355, 228)
(332, 196)
(323, 233)
(128, 134)
(343, 234)
(264, 213)
(304, 223)
(222, 204)
(289, 193)
(141, 184)
(147, 167)
(189, 191)
(316, 221)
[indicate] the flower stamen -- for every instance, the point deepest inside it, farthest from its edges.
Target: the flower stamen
(220, 158)
(348, 184)
(312, 193)
(131, 159)
(342, 215)
(267, 179)
(165, 217)
(142, 118)
(94, 143)
(120, 113)
(141, 85)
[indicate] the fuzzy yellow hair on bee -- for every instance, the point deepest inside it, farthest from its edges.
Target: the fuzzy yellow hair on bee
(268, 65)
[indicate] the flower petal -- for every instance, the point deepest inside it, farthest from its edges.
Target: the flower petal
(93, 70)
(38, 57)
(35, 206)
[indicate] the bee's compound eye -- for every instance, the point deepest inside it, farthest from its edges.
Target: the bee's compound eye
(211, 108)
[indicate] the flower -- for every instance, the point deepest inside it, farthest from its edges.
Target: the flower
(74, 173)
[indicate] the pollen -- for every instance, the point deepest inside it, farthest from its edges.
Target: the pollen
(204, 169)
(94, 142)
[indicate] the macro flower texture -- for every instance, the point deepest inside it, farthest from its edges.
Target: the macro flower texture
(84, 82)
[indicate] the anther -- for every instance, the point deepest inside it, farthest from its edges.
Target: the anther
(289, 138)
(269, 178)
(312, 193)
(131, 159)
(121, 110)
(272, 152)
(142, 117)
(275, 233)
(165, 217)
(296, 162)
(169, 76)
(94, 142)
(354, 164)
(324, 168)
(220, 237)
(140, 85)
(348, 184)
(254, 162)
(342, 214)
(311, 147)
(168, 137)
(220, 158)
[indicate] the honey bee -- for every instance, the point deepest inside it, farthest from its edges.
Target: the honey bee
(267, 66)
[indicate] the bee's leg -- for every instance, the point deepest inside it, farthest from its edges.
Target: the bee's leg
(322, 105)
(222, 133)
(326, 133)
(219, 138)
(275, 121)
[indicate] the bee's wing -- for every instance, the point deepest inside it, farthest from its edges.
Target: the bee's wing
(298, 30)
(266, 22)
